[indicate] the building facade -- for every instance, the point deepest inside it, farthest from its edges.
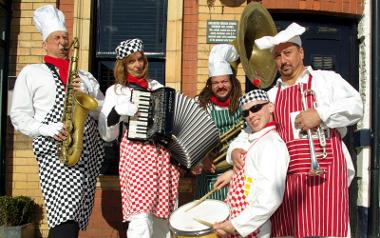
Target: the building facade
(177, 41)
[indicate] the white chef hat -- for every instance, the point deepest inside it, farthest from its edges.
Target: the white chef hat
(219, 59)
(48, 19)
(290, 34)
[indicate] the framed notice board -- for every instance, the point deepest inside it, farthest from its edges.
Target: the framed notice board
(221, 31)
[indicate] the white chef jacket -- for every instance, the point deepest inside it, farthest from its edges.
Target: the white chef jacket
(34, 96)
(339, 105)
(265, 172)
(117, 94)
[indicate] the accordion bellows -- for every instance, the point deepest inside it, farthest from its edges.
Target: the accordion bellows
(194, 132)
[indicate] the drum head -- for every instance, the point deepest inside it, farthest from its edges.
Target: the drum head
(182, 222)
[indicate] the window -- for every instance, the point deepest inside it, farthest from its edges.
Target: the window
(116, 21)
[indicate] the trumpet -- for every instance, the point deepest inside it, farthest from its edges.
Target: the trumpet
(315, 169)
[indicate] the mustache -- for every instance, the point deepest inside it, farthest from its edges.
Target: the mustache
(64, 48)
(284, 65)
(221, 89)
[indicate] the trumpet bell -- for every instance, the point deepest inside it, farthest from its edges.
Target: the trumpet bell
(256, 22)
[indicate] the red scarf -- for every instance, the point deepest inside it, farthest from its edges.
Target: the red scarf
(271, 123)
(219, 103)
(138, 81)
(61, 64)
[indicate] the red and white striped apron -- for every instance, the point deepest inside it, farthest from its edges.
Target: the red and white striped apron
(236, 197)
(148, 181)
(312, 205)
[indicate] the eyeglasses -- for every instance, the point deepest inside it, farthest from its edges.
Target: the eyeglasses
(253, 109)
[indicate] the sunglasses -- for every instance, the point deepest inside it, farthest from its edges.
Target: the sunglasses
(253, 109)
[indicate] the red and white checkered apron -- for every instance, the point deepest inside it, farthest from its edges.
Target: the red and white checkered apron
(148, 181)
(312, 205)
(236, 197)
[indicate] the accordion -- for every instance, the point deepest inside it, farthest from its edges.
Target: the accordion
(175, 120)
(155, 118)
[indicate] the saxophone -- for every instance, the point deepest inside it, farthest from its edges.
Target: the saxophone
(75, 111)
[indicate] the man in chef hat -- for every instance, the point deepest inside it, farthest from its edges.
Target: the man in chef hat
(220, 97)
(36, 111)
(315, 201)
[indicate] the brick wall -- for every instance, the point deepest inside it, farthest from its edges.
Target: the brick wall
(190, 42)
(25, 45)
(216, 12)
(342, 7)
(67, 7)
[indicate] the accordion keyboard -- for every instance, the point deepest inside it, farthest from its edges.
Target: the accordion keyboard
(154, 120)
(138, 125)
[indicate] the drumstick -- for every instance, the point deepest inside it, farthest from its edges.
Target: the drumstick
(199, 201)
(203, 222)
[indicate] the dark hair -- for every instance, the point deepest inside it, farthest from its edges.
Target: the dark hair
(236, 92)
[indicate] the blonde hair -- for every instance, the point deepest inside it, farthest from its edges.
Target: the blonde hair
(120, 72)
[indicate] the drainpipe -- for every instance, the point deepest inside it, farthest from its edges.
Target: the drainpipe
(4, 97)
(373, 212)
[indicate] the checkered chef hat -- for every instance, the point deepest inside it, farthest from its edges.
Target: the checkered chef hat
(128, 47)
(254, 95)
(48, 19)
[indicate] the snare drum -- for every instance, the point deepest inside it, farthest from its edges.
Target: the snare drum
(182, 224)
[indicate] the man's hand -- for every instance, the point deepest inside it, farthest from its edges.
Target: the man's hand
(237, 159)
(55, 130)
(308, 119)
(224, 179)
(208, 166)
(75, 83)
(223, 229)
(197, 170)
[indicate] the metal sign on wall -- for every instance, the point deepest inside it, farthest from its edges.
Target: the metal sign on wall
(221, 31)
